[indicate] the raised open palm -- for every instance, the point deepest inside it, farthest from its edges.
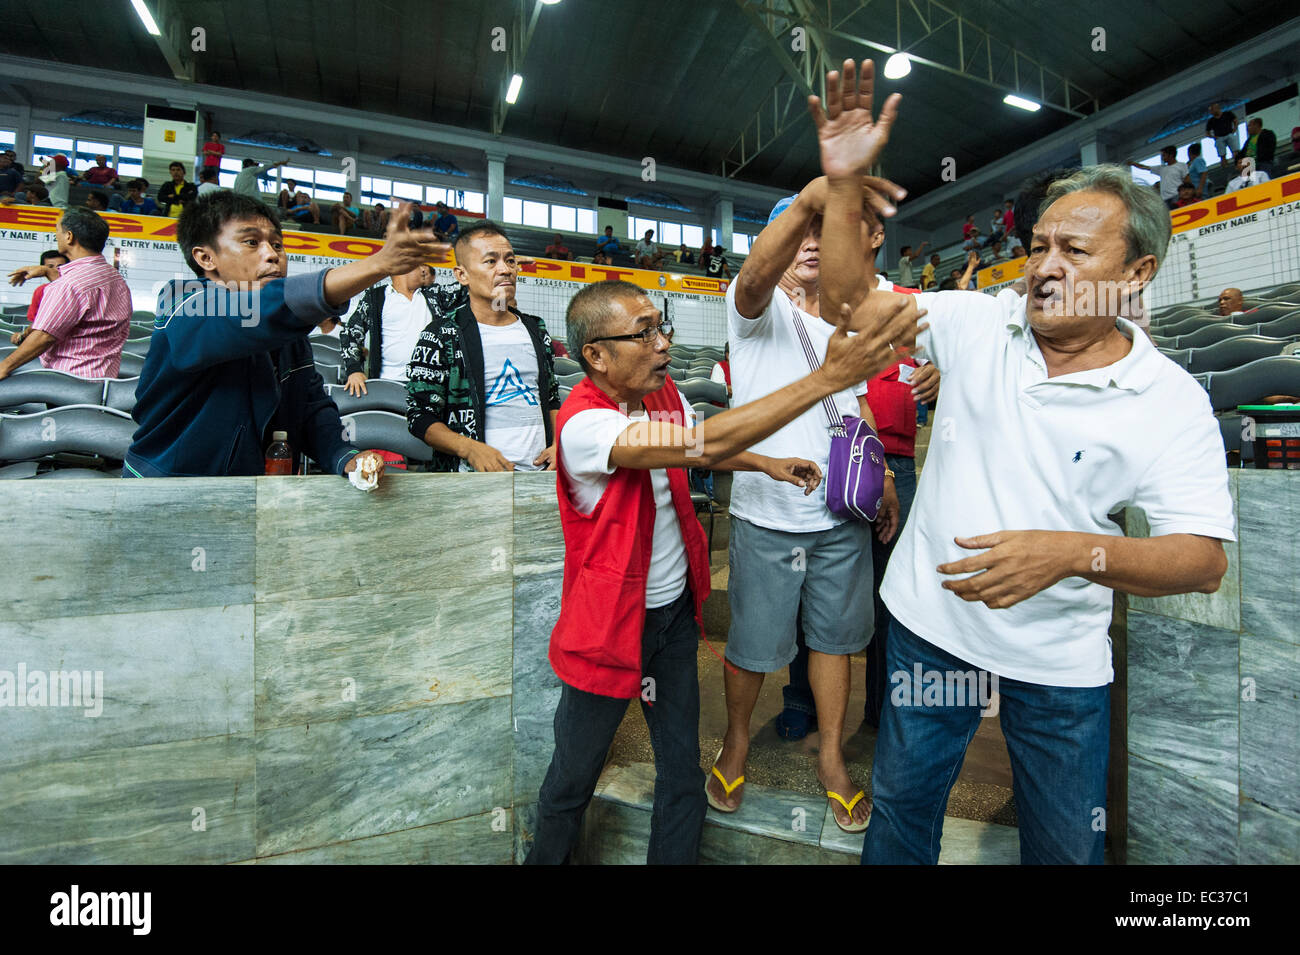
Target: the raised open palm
(851, 138)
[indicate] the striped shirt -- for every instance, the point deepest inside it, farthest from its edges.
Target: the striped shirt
(88, 313)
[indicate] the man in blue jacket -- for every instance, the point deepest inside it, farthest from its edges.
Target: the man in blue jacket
(229, 362)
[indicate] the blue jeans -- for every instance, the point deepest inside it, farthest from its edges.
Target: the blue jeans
(798, 692)
(1058, 738)
(585, 724)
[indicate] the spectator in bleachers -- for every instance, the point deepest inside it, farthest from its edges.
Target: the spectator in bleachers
(636, 564)
(136, 202)
(1247, 175)
(558, 250)
(1261, 145)
(599, 258)
(445, 226)
(905, 261)
(481, 388)
(96, 201)
(1018, 251)
(54, 174)
(1186, 195)
(345, 215)
(287, 195)
(51, 261)
(1232, 302)
(966, 280)
(11, 178)
(101, 174)
(1198, 173)
(213, 150)
(376, 217)
(608, 245)
(208, 181)
(1034, 606)
(13, 161)
(34, 194)
(648, 253)
(1223, 128)
(1008, 217)
(969, 232)
(246, 180)
(684, 255)
(304, 209)
(997, 229)
(722, 369)
(176, 194)
(927, 273)
(1171, 173)
(382, 332)
(85, 316)
(716, 265)
(230, 362)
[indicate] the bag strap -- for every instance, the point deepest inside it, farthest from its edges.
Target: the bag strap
(832, 413)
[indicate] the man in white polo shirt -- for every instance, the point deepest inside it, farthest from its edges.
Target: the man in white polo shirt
(1056, 411)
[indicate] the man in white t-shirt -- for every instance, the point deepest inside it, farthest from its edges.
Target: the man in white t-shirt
(648, 254)
(377, 339)
(791, 559)
(1172, 174)
(1056, 412)
(481, 388)
(636, 566)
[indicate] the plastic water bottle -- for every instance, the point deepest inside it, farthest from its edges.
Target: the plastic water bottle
(279, 458)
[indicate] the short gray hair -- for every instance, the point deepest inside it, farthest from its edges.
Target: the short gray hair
(1148, 228)
(590, 312)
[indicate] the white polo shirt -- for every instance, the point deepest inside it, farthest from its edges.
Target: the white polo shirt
(1015, 450)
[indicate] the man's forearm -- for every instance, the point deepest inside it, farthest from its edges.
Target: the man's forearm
(744, 461)
(843, 278)
(345, 281)
(1148, 566)
(441, 438)
(33, 345)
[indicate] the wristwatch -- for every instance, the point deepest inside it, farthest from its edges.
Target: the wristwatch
(888, 473)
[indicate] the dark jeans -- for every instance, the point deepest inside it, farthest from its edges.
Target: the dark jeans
(585, 724)
(798, 692)
(1058, 738)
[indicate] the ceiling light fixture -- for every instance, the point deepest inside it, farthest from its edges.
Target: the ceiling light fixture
(898, 66)
(550, 3)
(146, 17)
(512, 93)
(1011, 99)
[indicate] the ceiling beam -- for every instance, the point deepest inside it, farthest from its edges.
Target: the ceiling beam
(519, 36)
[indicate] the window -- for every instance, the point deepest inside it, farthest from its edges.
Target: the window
(87, 150)
(304, 178)
(514, 210)
(471, 201)
(7, 138)
(225, 179)
(670, 233)
(435, 194)
(636, 227)
(693, 236)
(1141, 175)
(410, 191)
(741, 243)
(49, 145)
(130, 161)
(536, 214)
(564, 218)
(330, 185)
(376, 190)
(587, 221)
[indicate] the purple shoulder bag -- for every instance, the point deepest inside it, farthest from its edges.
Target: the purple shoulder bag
(855, 472)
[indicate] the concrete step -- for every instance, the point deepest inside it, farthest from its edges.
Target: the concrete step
(772, 827)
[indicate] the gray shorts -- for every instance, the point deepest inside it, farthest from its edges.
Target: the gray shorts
(773, 573)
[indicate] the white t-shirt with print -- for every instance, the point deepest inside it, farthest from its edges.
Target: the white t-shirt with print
(1015, 450)
(766, 355)
(585, 445)
(514, 425)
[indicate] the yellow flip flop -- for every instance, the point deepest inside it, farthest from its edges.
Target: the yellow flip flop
(727, 788)
(848, 807)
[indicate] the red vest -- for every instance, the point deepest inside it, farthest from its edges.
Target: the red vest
(596, 643)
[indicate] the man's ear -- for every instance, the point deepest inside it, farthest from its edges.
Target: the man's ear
(461, 275)
(204, 257)
(595, 358)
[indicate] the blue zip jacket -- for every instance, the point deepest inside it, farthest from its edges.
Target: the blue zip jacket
(224, 370)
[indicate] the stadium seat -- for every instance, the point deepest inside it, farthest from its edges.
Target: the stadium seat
(570, 380)
(19, 472)
(702, 389)
(331, 374)
(1288, 326)
(567, 366)
(326, 353)
(381, 395)
(1210, 334)
(82, 429)
(53, 389)
(1266, 313)
(1232, 353)
(119, 394)
(564, 393)
(385, 431)
(1186, 326)
(132, 365)
(705, 410)
(1249, 383)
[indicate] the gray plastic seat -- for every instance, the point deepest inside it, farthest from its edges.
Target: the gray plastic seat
(1190, 324)
(1249, 383)
(1232, 353)
(119, 394)
(566, 366)
(51, 388)
(326, 353)
(385, 431)
(1211, 334)
(702, 389)
(570, 380)
(1288, 326)
(132, 365)
(83, 429)
(705, 410)
(331, 374)
(381, 395)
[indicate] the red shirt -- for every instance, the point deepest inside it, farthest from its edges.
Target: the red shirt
(99, 175)
(891, 403)
(33, 308)
(1009, 220)
(967, 229)
(212, 153)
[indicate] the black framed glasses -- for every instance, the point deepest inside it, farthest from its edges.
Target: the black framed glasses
(645, 336)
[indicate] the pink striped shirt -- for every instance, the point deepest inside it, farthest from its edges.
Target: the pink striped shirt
(88, 313)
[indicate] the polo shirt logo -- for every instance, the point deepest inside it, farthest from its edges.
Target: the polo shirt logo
(1078, 456)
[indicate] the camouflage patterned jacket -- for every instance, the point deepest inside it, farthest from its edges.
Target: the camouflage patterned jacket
(362, 336)
(445, 380)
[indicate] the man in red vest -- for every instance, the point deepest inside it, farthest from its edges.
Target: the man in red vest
(636, 566)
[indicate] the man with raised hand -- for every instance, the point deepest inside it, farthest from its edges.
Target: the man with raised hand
(793, 561)
(636, 565)
(1055, 412)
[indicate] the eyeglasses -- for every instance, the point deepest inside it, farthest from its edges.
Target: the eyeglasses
(645, 336)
